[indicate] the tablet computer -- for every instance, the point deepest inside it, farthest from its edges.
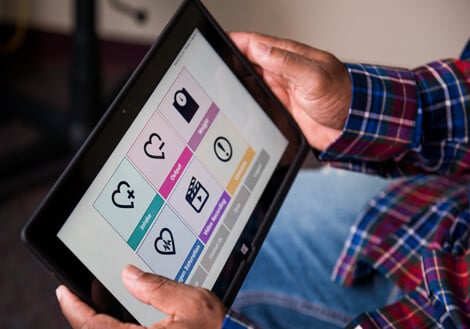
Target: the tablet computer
(182, 176)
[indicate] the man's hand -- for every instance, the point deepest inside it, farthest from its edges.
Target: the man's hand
(186, 306)
(312, 84)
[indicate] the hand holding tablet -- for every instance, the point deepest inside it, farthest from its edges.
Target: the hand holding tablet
(182, 177)
(196, 309)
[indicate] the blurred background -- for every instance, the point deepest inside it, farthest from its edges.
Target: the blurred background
(61, 63)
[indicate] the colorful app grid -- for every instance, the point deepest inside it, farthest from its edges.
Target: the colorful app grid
(185, 104)
(128, 203)
(169, 195)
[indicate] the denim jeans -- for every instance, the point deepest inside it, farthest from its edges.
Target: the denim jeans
(289, 284)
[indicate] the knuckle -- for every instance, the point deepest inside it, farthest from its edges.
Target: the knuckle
(286, 58)
(204, 298)
(154, 282)
(87, 324)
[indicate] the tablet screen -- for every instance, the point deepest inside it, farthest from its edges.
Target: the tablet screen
(179, 187)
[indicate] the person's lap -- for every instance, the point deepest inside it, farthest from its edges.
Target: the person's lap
(289, 284)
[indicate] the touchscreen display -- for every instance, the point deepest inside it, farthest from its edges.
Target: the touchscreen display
(179, 188)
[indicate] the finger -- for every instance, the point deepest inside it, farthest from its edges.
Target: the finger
(164, 324)
(281, 57)
(80, 315)
(247, 42)
(242, 40)
(164, 294)
(186, 306)
(73, 308)
(288, 73)
(301, 74)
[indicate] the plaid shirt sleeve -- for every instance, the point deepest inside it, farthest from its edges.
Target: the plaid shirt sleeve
(417, 232)
(404, 122)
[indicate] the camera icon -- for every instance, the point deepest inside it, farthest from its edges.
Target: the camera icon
(185, 104)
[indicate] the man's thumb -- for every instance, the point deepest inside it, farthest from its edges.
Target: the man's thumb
(151, 289)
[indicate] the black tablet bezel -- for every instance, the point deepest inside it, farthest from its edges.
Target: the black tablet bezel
(40, 233)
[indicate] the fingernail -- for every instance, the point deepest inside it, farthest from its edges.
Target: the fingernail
(132, 273)
(58, 293)
(262, 49)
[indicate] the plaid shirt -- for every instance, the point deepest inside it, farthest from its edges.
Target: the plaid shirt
(415, 124)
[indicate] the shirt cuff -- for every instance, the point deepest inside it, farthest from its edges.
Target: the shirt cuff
(382, 120)
(234, 320)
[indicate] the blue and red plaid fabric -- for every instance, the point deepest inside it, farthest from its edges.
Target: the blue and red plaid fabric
(416, 124)
(413, 124)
